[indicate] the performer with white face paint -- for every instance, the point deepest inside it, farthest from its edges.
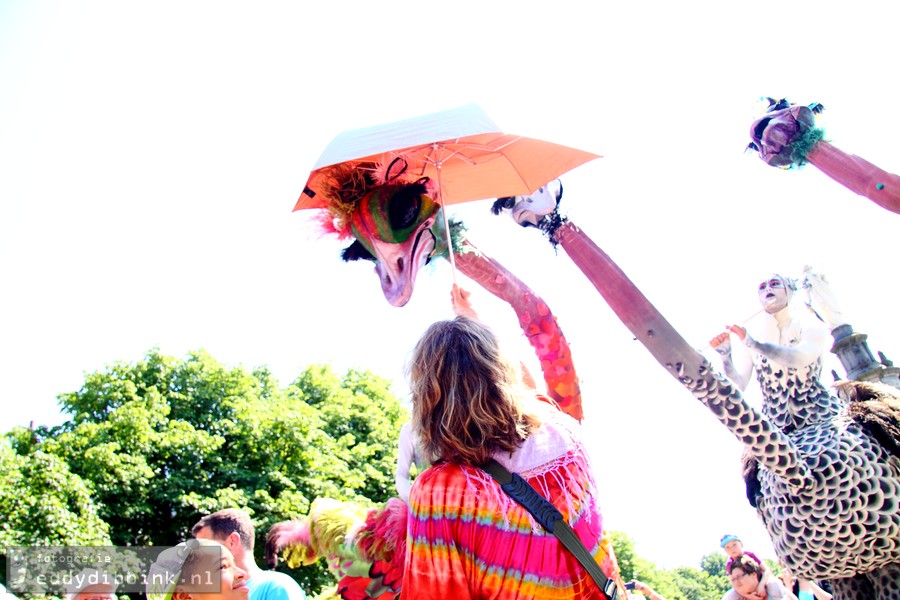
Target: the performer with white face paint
(822, 471)
(787, 341)
(787, 359)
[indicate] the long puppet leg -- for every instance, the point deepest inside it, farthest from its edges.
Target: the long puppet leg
(681, 361)
(786, 136)
(858, 175)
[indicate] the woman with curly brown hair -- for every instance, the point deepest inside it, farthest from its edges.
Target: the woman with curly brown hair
(467, 538)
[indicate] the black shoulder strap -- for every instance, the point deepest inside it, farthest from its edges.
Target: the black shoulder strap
(547, 515)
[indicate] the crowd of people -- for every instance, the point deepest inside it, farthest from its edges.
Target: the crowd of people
(468, 407)
(468, 536)
(217, 563)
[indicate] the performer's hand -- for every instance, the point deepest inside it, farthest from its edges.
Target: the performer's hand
(721, 343)
(462, 306)
(720, 339)
(527, 379)
(738, 331)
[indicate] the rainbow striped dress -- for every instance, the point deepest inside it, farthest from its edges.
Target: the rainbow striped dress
(468, 539)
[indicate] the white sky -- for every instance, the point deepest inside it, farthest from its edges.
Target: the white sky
(150, 155)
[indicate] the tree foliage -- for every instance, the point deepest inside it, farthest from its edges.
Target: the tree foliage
(709, 582)
(714, 565)
(152, 446)
(362, 416)
(624, 549)
(44, 503)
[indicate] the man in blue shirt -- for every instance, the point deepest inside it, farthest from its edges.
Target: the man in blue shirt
(233, 528)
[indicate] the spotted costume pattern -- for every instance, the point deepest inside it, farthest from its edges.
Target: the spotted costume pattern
(828, 492)
(795, 397)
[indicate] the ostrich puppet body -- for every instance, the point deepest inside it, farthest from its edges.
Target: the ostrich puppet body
(827, 475)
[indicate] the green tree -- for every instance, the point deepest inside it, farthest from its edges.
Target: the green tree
(709, 582)
(696, 584)
(151, 446)
(158, 443)
(661, 581)
(367, 437)
(43, 503)
(714, 566)
(623, 546)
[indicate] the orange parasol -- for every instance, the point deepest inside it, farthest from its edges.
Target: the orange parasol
(461, 149)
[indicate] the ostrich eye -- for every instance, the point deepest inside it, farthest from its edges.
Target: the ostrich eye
(761, 127)
(404, 209)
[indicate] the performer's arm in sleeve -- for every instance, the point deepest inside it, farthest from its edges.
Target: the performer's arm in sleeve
(722, 344)
(405, 454)
(807, 351)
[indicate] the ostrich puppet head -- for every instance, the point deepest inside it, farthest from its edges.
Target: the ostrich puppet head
(539, 209)
(786, 133)
(394, 222)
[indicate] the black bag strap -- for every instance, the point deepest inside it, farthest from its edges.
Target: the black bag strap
(552, 520)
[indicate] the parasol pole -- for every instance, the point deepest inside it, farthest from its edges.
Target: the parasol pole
(437, 165)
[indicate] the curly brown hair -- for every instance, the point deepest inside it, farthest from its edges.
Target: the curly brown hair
(466, 396)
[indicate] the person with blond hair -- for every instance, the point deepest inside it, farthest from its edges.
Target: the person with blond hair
(789, 346)
(467, 537)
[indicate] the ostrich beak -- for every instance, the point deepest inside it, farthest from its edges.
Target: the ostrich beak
(398, 264)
